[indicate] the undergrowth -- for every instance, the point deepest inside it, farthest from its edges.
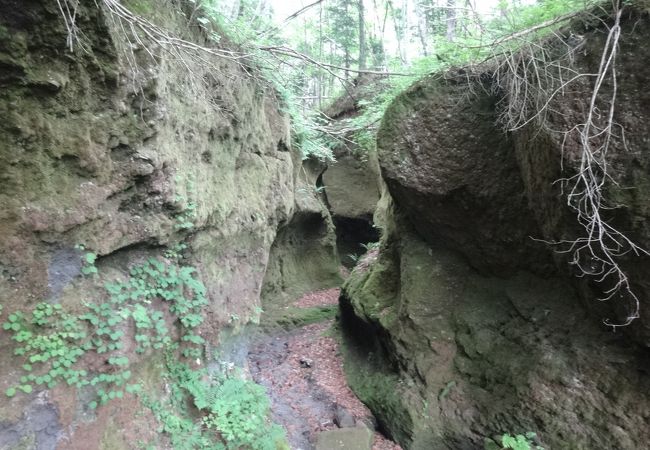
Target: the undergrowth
(201, 411)
(514, 442)
(54, 345)
(220, 404)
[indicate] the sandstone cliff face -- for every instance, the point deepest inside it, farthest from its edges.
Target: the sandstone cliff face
(304, 254)
(478, 329)
(352, 183)
(128, 156)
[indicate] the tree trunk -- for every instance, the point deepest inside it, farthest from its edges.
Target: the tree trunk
(451, 20)
(399, 32)
(423, 27)
(362, 36)
(320, 56)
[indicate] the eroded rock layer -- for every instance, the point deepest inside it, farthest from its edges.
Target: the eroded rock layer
(125, 149)
(473, 326)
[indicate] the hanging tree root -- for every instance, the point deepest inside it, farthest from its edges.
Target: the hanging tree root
(532, 79)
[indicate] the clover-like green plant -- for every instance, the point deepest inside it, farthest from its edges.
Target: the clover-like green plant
(52, 342)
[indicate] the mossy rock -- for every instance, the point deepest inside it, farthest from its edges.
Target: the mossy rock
(292, 317)
(356, 438)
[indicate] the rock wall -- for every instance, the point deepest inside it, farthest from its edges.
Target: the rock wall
(454, 356)
(131, 155)
(304, 255)
(352, 183)
(625, 196)
(477, 329)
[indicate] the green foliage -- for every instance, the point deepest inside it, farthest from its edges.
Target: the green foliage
(239, 410)
(230, 407)
(243, 25)
(250, 27)
(291, 317)
(173, 284)
(444, 392)
(371, 246)
(88, 261)
(465, 50)
(52, 342)
(516, 17)
(49, 343)
(176, 251)
(344, 30)
(307, 137)
(516, 442)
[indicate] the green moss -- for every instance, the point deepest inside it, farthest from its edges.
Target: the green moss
(112, 439)
(289, 318)
(419, 93)
(26, 443)
(380, 390)
(374, 292)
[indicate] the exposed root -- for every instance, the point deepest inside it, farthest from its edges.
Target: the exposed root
(532, 78)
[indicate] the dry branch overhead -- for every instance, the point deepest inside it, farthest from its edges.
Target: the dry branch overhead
(292, 53)
(530, 30)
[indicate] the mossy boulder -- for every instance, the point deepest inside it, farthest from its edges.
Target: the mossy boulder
(479, 329)
(352, 186)
(500, 197)
(549, 155)
(356, 438)
(445, 357)
(456, 174)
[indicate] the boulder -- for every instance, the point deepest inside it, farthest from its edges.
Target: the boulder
(444, 356)
(466, 325)
(357, 438)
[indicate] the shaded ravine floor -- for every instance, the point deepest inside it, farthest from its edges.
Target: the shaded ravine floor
(302, 370)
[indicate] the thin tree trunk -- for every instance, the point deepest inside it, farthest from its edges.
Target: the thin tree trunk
(399, 34)
(422, 28)
(451, 20)
(320, 56)
(362, 36)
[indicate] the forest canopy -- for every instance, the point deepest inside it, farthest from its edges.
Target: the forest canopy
(313, 50)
